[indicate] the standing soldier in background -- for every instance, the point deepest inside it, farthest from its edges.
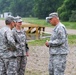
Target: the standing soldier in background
(8, 61)
(58, 46)
(22, 51)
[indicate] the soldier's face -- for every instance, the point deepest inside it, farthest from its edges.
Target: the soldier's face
(12, 24)
(53, 21)
(18, 24)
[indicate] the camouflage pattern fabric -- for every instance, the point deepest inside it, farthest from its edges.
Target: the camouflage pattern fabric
(58, 43)
(8, 61)
(57, 64)
(22, 48)
(20, 37)
(21, 65)
(58, 49)
(7, 43)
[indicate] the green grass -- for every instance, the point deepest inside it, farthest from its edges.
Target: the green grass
(32, 73)
(42, 22)
(72, 39)
(40, 42)
(1, 18)
(71, 25)
(37, 21)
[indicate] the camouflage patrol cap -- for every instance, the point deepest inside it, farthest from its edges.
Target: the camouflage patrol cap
(9, 19)
(18, 19)
(51, 15)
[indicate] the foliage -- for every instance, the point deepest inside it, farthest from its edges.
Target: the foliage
(66, 9)
(42, 8)
(26, 8)
(39, 8)
(17, 7)
(4, 5)
(73, 17)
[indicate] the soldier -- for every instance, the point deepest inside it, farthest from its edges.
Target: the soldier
(8, 61)
(22, 51)
(58, 46)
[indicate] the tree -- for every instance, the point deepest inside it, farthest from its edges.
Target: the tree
(4, 5)
(66, 9)
(73, 17)
(25, 8)
(21, 7)
(43, 7)
(17, 7)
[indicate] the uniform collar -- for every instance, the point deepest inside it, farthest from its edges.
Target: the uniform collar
(17, 30)
(8, 27)
(57, 25)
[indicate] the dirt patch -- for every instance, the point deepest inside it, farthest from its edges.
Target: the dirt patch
(39, 59)
(2, 23)
(69, 31)
(71, 62)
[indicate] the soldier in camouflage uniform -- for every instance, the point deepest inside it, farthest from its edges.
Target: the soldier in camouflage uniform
(22, 51)
(58, 46)
(8, 61)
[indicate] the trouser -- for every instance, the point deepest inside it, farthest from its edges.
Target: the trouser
(57, 64)
(21, 64)
(8, 66)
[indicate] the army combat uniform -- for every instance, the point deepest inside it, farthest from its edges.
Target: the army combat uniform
(20, 36)
(8, 61)
(58, 49)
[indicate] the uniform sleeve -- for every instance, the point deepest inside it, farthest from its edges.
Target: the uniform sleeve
(17, 39)
(15, 36)
(26, 44)
(60, 38)
(10, 39)
(27, 48)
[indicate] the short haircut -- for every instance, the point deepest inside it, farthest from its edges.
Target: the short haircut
(8, 20)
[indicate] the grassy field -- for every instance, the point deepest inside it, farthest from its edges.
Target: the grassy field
(71, 40)
(71, 25)
(32, 73)
(42, 22)
(1, 18)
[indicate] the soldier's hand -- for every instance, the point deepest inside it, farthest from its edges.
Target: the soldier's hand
(27, 54)
(10, 49)
(46, 43)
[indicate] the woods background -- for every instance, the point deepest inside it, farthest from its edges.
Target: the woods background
(40, 8)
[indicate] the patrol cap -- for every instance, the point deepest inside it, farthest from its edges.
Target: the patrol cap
(9, 19)
(51, 15)
(18, 19)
